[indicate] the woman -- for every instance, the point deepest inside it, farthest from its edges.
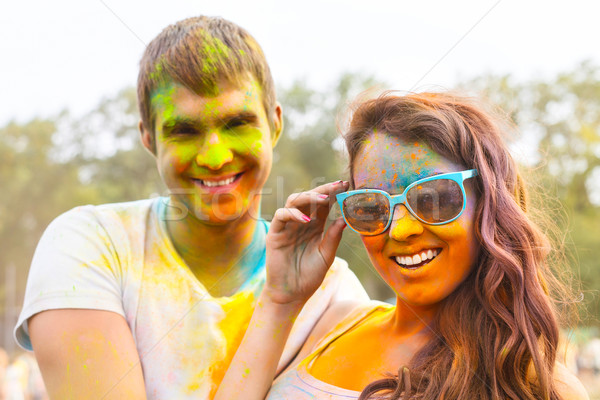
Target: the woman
(442, 212)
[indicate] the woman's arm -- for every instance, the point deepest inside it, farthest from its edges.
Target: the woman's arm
(299, 254)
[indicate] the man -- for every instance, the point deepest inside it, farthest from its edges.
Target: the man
(150, 299)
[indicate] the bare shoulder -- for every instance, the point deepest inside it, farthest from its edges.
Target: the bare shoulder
(333, 316)
(568, 385)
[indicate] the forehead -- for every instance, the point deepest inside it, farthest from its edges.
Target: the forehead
(175, 100)
(389, 163)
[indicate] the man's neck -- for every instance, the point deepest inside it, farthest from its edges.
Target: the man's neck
(217, 254)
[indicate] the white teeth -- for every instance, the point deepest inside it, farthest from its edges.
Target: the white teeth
(218, 183)
(417, 258)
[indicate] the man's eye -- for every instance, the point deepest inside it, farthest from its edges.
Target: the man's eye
(236, 123)
(183, 131)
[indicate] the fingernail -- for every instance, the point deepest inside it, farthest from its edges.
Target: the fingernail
(338, 182)
(323, 196)
(306, 218)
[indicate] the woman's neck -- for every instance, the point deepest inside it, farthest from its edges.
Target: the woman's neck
(410, 319)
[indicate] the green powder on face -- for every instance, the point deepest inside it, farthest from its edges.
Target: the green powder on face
(163, 99)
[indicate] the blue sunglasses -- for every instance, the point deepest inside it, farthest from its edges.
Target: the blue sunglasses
(435, 200)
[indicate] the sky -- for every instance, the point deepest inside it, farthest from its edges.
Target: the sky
(67, 54)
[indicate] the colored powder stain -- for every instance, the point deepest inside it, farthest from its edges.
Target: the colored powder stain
(416, 144)
(383, 171)
(247, 371)
(238, 311)
(395, 177)
(73, 287)
(163, 98)
(218, 155)
(413, 156)
(215, 53)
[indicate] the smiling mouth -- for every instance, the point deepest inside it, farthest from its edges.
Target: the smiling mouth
(417, 260)
(218, 183)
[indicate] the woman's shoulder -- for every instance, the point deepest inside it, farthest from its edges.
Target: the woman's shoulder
(568, 385)
(342, 315)
(335, 320)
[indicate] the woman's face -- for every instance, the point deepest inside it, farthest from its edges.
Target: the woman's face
(391, 164)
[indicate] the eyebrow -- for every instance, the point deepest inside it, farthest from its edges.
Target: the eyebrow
(225, 119)
(181, 121)
(248, 116)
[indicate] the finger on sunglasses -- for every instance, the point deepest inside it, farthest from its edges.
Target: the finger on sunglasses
(288, 214)
(304, 199)
(332, 188)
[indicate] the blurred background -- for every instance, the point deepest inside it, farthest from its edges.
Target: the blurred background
(68, 115)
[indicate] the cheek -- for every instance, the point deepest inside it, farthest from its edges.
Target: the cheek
(178, 158)
(374, 246)
(250, 143)
(462, 248)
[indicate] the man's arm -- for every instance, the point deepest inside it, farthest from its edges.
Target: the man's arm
(86, 354)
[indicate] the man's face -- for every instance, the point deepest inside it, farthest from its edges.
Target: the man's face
(213, 153)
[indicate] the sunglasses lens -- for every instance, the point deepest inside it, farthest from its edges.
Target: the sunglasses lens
(436, 201)
(367, 213)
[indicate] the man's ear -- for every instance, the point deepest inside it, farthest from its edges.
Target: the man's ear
(147, 139)
(277, 123)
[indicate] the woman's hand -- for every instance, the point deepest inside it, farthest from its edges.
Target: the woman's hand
(299, 253)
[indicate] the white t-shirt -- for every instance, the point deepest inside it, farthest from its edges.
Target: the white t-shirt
(118, 257)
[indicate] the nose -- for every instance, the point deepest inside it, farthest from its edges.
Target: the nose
(404, 225)
(213, 153)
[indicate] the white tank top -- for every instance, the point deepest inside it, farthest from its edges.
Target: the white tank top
(298, 384)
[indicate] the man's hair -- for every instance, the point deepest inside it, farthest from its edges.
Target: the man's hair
(202, 53)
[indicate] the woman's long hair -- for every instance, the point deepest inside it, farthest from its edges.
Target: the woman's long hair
(496, 335)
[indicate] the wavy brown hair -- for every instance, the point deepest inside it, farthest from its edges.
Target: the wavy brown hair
(496, 335)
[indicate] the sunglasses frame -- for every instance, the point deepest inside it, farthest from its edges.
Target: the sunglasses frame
(394, 200)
